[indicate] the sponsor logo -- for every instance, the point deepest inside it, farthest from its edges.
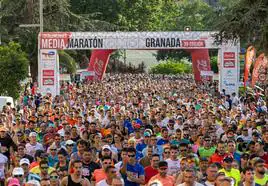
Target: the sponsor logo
(48, 81)
(228, 84)
(202, 65)
(48, 55)
(229, 55)
(98, 66)
(229, 63)
(48, 72)
(229, 73)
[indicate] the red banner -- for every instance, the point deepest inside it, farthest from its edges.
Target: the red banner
(260, 70)
(201, 62)
(250, 57)
(98, 62)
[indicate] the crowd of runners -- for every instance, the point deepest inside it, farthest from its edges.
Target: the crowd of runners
(135, 130)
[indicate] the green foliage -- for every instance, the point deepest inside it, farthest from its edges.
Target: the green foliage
(13, 67)
(57, 17)
(214, 64)
(196, 13)
(66, 61)
(171, 67)
(246, 21)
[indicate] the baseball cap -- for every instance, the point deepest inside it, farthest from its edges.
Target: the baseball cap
(260, 142)
(13, 182)
(245, 156)
(106, 147)
(255, 133)
(69, 142)
(147, 134)
(228, 159)
(34, 182)
(24, 161)
(33, 134)
(17, 171)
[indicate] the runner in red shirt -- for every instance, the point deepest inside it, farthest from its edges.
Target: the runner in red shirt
(152, 170)
(220, 153)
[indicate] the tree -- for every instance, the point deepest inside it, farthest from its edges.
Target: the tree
(171, 67)
(13, 67)
(57, 17)
(214, 64)
(66, 61)
(246, 21)
(196, 13)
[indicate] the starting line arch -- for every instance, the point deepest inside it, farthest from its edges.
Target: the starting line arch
(104, 43)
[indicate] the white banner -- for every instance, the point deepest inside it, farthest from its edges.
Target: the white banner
(126, 40)
(228, 52)
(229, 71)
(49, 72)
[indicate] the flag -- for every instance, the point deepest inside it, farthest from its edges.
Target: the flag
(201, 62)
(260, 70)
(250, 57)
(98, 62)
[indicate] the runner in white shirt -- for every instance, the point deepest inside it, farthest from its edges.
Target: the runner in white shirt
(32, 146)
(173, 161)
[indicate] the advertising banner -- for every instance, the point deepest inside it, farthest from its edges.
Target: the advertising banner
(49, 72)
(103, 43)
(98, 62)
(250, 57)
(126, 40)
(259, 73)
(229, 71)
(201, 62)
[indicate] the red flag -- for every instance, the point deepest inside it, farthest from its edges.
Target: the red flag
(98, 62)
(250, 57)
(201, 62)
(260, 69)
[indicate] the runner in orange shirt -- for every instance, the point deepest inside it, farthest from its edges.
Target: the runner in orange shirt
(162, 176)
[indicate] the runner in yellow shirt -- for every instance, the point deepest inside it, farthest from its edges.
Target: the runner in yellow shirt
(229, 171)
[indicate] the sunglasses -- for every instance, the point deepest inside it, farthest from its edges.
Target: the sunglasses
(54, 177)
(183, 150)
(163, 168)
(18, 176)
(107, 163)
(113, 172)
(132, 156)
(43, 167)
(53, 149)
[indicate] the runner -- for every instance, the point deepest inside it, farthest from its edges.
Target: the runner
(75, 178)
(132, 119)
